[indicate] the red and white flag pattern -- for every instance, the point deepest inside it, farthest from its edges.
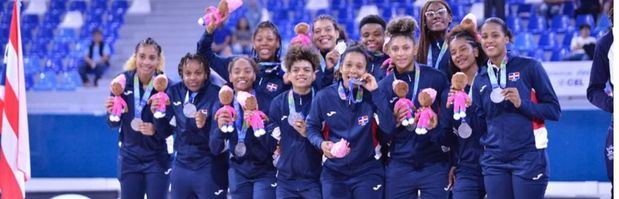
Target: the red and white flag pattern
(14, 147)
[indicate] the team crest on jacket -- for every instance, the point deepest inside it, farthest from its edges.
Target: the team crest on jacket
(271, 87)
(515, 76)
(363, 120)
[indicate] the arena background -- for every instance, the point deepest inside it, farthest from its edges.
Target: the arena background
(74, 151)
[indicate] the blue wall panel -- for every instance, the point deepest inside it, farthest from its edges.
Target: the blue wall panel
(72, 146)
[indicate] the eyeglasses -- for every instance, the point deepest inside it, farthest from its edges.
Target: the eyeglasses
(440, 12)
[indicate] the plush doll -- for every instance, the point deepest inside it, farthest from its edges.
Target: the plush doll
(226, 95)
(400, 88)
(254, 117)
(222, 11)
(425, 117)
(459, 99)
(160, 84)
(117, 86)
(340, 149)
(302, 38)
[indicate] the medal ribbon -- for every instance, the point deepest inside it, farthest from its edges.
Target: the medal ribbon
(137, 101)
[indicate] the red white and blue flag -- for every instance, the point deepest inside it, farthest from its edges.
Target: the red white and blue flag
(14, 147)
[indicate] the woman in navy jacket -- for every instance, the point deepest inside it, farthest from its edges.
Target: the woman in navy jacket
(266, 47)
(372, 29)
(196, 172)
(514, 96)
(416, 162)
(299, 162)
(436, 16)
(601, 76)
(143, 160)
(347, 110)
(467, 56)
(251, 173)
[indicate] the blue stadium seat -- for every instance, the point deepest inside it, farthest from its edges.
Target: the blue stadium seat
(27, 34)
(59, 50)
(275, 4)
(548, 41)
(32, 64)
(38, 47)
(120, 4)
(458, 11)
(514, 24)
(52, 18)
(538, 54)
(537, 24)
(110, 17)
(45, 81)
(558, 54)
(568, 8)
(78, 6)
(66, 82)
(66, 35)
(346, 14)
(53, 64)
(525, 10)
(567, 39)
(98, 4)
(30, 19)
(560, 23)
(299, 4)
(524, 42)
(585, 19)
(5, 18)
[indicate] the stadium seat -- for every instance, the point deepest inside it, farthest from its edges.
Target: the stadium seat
(30, 19)
(537, 24)
(568, 8)
(560, 24)
(567, 39)
(45, 81)
(514, 24)
(585, 19)
(66, 82)
(524, 42)
(78, 6)
(558, 54)
(538, 54)
(548, 41)
(99, 4)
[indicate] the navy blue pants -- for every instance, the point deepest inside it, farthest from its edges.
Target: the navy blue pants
(298, 189)
(525, 177)
(262, 186)
(210, 181)
(469, 184)
(403, 181)
(136, 179)
(367, 184)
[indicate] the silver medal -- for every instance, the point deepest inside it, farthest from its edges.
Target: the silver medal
(240, 149)
(357, 81)
(411, 127)
(135, 124)
(293, 117)
(496, 95)
(464, 130)
(189, 110)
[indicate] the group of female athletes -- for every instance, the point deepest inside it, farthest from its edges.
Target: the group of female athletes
(316, 95)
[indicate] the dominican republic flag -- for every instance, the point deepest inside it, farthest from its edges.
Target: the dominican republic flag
(14, 146)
